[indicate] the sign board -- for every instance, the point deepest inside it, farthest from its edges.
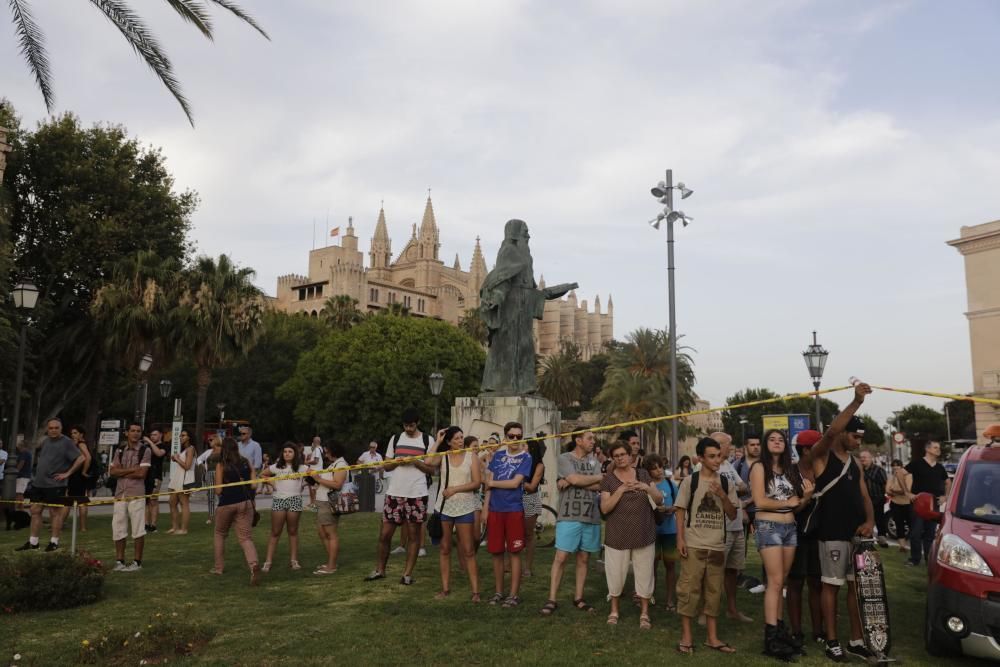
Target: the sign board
(111, 424)
(176, 472)
(779, 422)
(898, 438)
(108, 438)
(797, 424)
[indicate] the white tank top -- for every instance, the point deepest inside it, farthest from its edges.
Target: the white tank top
(460, 503)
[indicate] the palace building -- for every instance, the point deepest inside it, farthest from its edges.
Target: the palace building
(419, 281)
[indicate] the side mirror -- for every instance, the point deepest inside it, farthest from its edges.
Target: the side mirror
(925, 507)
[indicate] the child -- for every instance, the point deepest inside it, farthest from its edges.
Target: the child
(666, 530)
(704, 502)
(504, 511)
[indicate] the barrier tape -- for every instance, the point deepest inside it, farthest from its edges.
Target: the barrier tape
(481, 447)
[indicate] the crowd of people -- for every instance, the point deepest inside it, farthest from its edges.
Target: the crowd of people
(800, 502)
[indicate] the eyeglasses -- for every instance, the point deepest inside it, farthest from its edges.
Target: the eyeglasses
(514, 436)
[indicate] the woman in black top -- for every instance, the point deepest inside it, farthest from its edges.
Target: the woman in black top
(81, 482)
(236, 507)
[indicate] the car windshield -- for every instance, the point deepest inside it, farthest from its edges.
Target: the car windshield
(980, 496)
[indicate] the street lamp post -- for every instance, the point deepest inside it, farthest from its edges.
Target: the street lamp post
(436, 382)
(815, 357)
(166, 388)
(141, 390)
(664, 193)
(222, 413)
(25, 296)
(743, 430)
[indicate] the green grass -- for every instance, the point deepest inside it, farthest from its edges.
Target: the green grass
(295, 618)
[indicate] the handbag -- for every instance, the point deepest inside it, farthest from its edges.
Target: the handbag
(344, 502)
(434, 528)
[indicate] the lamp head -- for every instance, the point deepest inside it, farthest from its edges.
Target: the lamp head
(659, 190)
(684, 190)
(145, 363)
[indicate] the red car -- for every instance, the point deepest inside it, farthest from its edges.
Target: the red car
(963, 593)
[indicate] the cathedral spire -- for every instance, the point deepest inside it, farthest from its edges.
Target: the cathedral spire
(478, 263)
(428, 225)
(381, 232)
(458, 264)
(380, 255)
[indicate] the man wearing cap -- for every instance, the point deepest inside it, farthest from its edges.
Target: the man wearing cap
(843, 511)
(806, 565)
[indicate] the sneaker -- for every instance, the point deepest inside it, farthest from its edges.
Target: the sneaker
(422, 552)
(27, 546)
(375, 575)
(758, 589)
(398, 550)
(859, 651)
(150, 528)
(405, 580)
(835, 652)
(132, 567)
(119, 567)
(910, 563)
(50, 547)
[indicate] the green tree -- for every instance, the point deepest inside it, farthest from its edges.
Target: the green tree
(472, 324)
(355, 383)
(754, 415)
(218, 320)
(135, 31)
(341, 311)
(874, 435)
(396, 309)
(962, 416)
(921, 423)
(559, 376)
(592, 374)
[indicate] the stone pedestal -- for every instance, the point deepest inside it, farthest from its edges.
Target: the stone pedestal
(482, 415)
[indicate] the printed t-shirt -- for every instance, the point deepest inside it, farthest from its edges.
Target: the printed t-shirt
(506, 466)
(286, 488)
(575, 503)
(407, 481)
(669, 524)
(708, 518)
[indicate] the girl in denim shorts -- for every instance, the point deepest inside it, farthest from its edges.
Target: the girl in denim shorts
(778, 492)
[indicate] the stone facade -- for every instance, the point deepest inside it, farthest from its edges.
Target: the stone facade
(980, 245)
(420, 281)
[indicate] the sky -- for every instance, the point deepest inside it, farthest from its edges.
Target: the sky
(833, 149)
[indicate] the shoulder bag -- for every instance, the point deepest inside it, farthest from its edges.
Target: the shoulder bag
(434, 528)
(344, 502)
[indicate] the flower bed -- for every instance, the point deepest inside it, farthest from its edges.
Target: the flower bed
(35, 581)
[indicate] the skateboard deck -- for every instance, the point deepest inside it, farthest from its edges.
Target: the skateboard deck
(872, 599)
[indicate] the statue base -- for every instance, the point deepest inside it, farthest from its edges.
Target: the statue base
(483, 415)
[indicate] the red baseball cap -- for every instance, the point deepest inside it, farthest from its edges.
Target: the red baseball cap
(806, 438)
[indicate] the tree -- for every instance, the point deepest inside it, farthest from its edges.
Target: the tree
(962, 416)
(135, 31)
(592, 373)
(355, 383)
(396, 309)
(921, 423)
(559, 376)
(874, 435)
(218, 319)
(341, 311)
(472, 324)
(754, 415)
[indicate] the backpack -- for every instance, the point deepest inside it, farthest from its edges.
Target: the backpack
(112, 483)
(694, 487)
(96, 467)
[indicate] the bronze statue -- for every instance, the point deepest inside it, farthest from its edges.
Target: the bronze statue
(509, 301)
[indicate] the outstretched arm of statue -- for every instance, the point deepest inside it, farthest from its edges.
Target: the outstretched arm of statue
(557, 291)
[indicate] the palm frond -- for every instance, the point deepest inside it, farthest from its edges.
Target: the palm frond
(239, 12)
(29, 37)
(145, 45)
(196, 13)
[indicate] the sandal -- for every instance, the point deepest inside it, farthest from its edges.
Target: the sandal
(685, 649)
(670, 606)
(266, 567)
(323, 569)
(721, 648)
(215, 572)
(441, 595)
(497, 598)
(582, 605)
(644, 623)
(548, 608)
(512, 601)
(612, 619)
(476, 598)
(295, 565)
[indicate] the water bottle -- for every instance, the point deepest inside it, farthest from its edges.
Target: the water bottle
(853, 381)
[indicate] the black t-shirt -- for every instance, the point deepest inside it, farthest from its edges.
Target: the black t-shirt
(927, 478)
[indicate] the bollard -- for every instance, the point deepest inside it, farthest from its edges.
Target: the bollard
(72, 543)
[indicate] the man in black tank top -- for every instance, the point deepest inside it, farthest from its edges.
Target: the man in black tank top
(843, 511)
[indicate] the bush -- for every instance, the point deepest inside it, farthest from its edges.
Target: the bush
(155, 642)
(49, 581)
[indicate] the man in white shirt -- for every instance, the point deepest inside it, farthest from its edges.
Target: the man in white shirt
(406, 497)
(372, 455)
(736, 544)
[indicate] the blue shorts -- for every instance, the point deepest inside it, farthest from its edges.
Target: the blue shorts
(465, 518)
(774, 534)
(573, 536)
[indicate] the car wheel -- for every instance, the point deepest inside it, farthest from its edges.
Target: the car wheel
(936, 641)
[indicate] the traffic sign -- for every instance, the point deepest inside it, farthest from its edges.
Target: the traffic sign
(898, 438)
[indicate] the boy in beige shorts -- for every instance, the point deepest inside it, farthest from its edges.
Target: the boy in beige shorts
(705, 501)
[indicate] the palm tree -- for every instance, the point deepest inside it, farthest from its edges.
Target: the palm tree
(341, 312)
(559, 378)
(472, 324)
(396, 309)
(218, 317)
(135, 32)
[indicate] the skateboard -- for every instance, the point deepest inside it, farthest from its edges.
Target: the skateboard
(872, 600)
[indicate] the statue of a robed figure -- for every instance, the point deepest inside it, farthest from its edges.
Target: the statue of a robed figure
(509, 301)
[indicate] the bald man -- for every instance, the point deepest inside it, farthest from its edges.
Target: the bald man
(736, 541)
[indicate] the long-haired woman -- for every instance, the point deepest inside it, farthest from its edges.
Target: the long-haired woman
(327, 518)
(683, 469)
(778, 490)
(899, 489)
(80, 482)
(460, 477)
(236, 507)
(179, 520)
(286, 504)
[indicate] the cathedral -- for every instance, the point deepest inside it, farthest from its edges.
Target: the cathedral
(419, 281)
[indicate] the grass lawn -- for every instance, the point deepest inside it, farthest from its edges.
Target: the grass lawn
(295, 618)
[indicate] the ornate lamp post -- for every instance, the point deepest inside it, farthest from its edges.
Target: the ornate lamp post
(436, 382)
(743, 430)
(815, 357)
(166, 388)
(664, 193)
(25, 297)
(141, 389)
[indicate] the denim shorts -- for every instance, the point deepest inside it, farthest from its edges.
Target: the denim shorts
(774, 534)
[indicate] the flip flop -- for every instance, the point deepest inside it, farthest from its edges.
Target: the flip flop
(685, 649)
(721, 648)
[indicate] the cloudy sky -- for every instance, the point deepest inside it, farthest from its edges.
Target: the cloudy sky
(833, 146)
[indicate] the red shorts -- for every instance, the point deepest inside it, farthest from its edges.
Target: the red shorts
(505, 532)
